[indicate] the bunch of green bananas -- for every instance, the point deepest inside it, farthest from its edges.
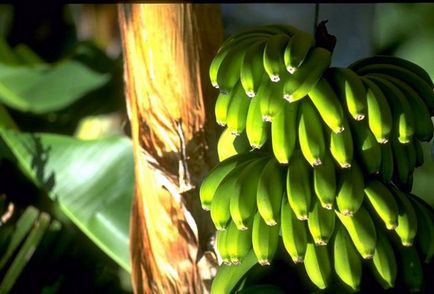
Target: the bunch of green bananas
(320, 159)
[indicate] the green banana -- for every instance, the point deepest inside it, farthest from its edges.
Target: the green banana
(351, 90)
(298, 186)
(422, 121)
(318, 266)
(383, 264)
(383, 203)
(411, 155)
(407, 220)
(347, 263)
(324, 182)
(293, 233)
(237, 112)
(271, 99)
(321, 223)
(284, 133)
(273, 57)
(341, 146)
(411, 268)
(362, 231)
(305, 78)
(270, 190)
(242, 205)
(327, 103)
(252, 69)
(229, 145)
(218, 173)
(401, 162)
(221, 108)
(425, 222)
(367, 147)
(310, 134)
(379, 114)
(385, 59)
(402, 114)
(350, 194)
(222, 247)
(297, 49)
(265, 240)
(419, 153)
(422, 88)
(256, 128)
(387, 166)
(238, 243)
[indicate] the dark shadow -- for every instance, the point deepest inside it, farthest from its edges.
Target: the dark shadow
(40, 158)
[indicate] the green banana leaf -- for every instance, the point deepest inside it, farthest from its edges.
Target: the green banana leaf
(92, 182)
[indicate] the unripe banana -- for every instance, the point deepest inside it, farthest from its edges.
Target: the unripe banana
(327, 103)
(425, 222)
(222, 248)
(298, 186)
(419, 153)
(242, 205)
(411, 155)
(273, 56)
(401, 162)
(305, 78)
(284, 132)
(271, 99)
(347, 263)
(215, 177)
(403, 119)
(341, 146)
(270, 191)
(387, 167)
(362, 231)
(229, 145)
(252, 68)
(321, 223)
(318, 266)
(221, 108)
(383, 203)
(350, 193)
(351, 90)
(407, 220)
(379, 114)
(293, 233)
(410, 268)
(297, 49)
(384, 263)
(237, 111)
(310, 134)
(238, 243)
(324, 182)
(256, 128)
(264, 240)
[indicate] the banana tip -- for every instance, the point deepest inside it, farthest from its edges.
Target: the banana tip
(392, 226)
(235, 261)
(317, 162)
(274, 78)
(266, 118)
(288, 98)
(320, 242)
(368, 256)
(227, 262)
(348, 213)
(328, 206)
(298, 259)
(291, 69)
(250, 94)
(340, 129)
(407, 243)
(302, 217)
(360, 117)
(264, 262)
(346, 165)
(383, 140)
(271, 222)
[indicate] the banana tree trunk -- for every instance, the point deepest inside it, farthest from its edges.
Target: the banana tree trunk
(167, 51)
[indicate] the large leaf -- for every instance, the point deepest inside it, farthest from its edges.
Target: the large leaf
(92, 181)
(44, 88)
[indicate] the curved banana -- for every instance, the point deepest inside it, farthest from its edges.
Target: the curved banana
(265, 239)
(284, 133)
(379, 114)
(237, 112)
(317, 265)
(387, 167)
(324, 182)
(297, 49)
(407, 220)
(351, 90)
(222, 247)
(238, 243)
(384, 263)
(362, 231)
(273, 56)
(321, 223)
(305, 78)
(310, 134)
(411, 268)
(221, 108)
(293, 233)
(256, 128)
(298, 186)
(271, 99)
(242, 205)
(383, 203)
(271, 186)
(229, 145)
(341, 146)
(350, 194)
(425, 222)
(401, 162)
(327, 103)
(252, 68)
(347, 263)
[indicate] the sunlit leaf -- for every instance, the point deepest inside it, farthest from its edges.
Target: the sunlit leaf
(92, 181)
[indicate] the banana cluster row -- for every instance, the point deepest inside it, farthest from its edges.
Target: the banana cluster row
(319, 158)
